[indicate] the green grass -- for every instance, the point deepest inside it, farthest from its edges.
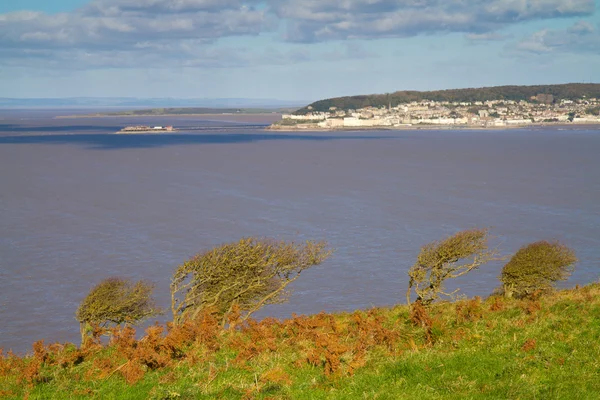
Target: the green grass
(503, 349)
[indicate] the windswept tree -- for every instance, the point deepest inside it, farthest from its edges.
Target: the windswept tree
(116, 301)
(452, 257)
(244, 276)
(536, 267)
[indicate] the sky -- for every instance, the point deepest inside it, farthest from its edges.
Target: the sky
(300, 50)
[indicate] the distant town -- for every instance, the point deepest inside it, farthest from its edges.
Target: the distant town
(540, 109)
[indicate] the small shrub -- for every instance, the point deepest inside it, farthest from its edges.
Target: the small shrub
(31, 372)
(497, 304)
(419, 316)
(132, 372)
(40, 352)
(469, 310)
(115, 301)
(536, 267)
(532, 306)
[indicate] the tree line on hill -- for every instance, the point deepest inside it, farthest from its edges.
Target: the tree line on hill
(570, 91)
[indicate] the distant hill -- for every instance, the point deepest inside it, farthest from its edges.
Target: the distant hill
(133, 102)
(564, 91)
(194, 111)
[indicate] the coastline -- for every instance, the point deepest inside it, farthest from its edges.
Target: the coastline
(315, 128)
(423, 127)
(143, 132)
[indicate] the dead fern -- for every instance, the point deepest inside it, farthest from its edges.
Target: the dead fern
(469, 310)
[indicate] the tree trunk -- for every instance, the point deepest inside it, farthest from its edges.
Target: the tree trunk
(83, 331)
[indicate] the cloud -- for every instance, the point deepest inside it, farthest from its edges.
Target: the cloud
(179, 55)
(581, 37)
(322, 20)
(151, 56)
(188, 33)
(130, 33)
(485, 37)
(120, 25)
(118, 7)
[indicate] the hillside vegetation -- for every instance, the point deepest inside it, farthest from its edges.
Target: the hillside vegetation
(570, 91)
(478, 349)
(525, 341)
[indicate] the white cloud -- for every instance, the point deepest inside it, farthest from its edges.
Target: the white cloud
(118, 7)
(129, 33)
(485, 37)
(123, 24)
(322, 20)
(581, 37)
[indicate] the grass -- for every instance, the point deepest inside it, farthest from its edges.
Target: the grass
(545, 348)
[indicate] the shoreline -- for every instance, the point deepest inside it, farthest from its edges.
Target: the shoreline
(144, 132)
(423, 127)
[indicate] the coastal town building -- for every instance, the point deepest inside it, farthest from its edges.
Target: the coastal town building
(541, 109)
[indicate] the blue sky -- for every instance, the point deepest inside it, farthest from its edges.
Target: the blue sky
(290, 49)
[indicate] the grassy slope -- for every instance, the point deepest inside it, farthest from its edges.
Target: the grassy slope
(547, 349)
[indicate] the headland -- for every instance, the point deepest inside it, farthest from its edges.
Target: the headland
(498, 107)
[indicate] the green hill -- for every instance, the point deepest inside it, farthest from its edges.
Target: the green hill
(569, 91)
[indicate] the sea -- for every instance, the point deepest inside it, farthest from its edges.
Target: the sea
(79, 204)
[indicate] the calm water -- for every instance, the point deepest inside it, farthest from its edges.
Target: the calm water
(78, 204)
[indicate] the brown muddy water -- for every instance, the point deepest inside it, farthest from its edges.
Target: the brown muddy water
(79, 204)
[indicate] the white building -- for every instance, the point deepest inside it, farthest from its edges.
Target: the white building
(311, 116)
(357, 122)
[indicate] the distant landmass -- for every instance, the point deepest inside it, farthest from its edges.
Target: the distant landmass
(569, 91)
(492, 107)
(131, 102)
(148, 112)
